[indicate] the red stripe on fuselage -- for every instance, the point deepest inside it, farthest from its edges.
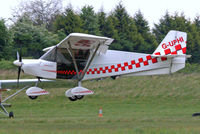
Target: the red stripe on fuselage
(84, 91)
(53, 71)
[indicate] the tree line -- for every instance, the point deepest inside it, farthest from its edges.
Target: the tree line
(39, 24)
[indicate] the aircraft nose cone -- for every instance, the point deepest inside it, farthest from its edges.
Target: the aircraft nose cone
(17, 63)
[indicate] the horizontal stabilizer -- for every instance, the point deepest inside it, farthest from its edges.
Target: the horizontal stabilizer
(172, 56)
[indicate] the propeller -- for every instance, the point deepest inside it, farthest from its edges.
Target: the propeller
(18, 63)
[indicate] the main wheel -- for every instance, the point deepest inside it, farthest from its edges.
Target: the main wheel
(33, 97)
(73, 98)
(196, 114)
(115, 77)
(79, 97)
(11, 114)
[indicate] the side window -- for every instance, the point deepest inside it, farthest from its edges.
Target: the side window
(49, 55)
(65, 62)
(61, 55)
(65, 66)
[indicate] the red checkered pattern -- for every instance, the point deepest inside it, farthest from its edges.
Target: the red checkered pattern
(177, 48)
(123, 66)
(126, 66)
(168, 51)
(68, 72)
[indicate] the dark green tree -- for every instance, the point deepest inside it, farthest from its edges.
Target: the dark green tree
(5, 42)
(102, 22)
(163, 27)
(197, 22)
(31, 39)
(68, 22)
(193, 41)
(111, 32)
(109, 29)
(141, 23)
(170, 22)
(148, 42)
(127, 32)
(122, 20)
(90, 20)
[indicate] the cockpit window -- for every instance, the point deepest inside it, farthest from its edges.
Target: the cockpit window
(50, 55)
(65, 62)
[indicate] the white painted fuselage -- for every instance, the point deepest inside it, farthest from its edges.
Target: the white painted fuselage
(78, 52)
(110, 64)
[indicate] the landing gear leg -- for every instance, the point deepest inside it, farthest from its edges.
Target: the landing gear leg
(3, 105)
(36, 84)
(4, 110)
(79, 83)
(11, 114)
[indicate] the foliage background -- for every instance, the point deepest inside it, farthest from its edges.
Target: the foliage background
(39, 24)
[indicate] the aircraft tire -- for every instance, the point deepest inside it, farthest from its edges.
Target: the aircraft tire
(33, 97)
(73, 98)
(11, 114)
(79, 97)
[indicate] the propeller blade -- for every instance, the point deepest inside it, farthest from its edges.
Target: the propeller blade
(20, 55)
(17, 55)
(18, 76)
(19, 58)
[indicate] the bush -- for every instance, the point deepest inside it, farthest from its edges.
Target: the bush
(191, 68)
(6, 65)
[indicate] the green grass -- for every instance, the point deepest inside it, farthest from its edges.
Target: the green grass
(149, 104)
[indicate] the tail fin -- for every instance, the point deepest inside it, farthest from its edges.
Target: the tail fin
(174, 43)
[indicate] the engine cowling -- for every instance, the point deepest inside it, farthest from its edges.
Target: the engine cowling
(36, 91)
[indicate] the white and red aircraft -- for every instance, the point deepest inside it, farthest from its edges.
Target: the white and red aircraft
(84, 57)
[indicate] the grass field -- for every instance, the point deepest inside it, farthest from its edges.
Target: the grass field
(139, 105)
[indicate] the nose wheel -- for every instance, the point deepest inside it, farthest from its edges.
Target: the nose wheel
(33, 97)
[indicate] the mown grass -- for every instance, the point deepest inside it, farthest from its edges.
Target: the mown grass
(149, 104)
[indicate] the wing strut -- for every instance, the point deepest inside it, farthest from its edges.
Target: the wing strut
(80, 76)
(89, 61)
(73, 59)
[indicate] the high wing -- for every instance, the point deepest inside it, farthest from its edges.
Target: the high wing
(75, 53)
(83, 42)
